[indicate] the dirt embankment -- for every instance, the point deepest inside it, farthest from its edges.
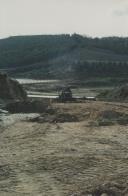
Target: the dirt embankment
(11, 89)
(117, 94)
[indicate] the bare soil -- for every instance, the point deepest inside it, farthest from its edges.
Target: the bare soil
(65, 158)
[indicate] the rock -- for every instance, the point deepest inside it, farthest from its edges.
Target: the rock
(11, 89)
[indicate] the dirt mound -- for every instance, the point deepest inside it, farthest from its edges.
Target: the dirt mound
(121, 93)
(109, 117)
(56, 118)
(27, 106)
(11, 89)
(109, 114)
(117, 94)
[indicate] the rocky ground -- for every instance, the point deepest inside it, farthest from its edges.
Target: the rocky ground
(55, 157)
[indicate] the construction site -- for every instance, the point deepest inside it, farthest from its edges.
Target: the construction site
(64, 146)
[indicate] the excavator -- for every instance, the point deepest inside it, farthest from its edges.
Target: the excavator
(66, 96)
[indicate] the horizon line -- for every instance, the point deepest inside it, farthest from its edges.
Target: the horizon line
(54, 34)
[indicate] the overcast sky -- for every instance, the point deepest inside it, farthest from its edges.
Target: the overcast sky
(87, 17)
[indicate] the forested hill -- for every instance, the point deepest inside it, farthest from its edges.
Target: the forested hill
(64, 56)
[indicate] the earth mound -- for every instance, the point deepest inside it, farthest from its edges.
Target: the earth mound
(56, 118)
(11, 89)
(109, 114)
(117, 94)
(109, 117)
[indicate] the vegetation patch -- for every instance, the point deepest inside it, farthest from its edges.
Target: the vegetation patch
(65, 56)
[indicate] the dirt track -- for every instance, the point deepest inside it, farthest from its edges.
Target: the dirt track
(64, 159)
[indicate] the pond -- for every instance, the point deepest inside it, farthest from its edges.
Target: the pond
(33, 81)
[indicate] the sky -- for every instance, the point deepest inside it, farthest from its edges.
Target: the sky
(96, 18)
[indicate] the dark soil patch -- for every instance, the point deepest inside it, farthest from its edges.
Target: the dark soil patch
(108, 189)
(5, 172)
(27, 107)
(56, 118)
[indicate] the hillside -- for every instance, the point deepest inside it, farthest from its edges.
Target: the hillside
(65, 56)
